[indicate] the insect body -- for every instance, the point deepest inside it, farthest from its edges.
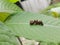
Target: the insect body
(36, 22)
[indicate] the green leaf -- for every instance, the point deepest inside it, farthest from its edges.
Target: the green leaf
(7, 8)
(47, 12)
(6, 36)
(3, 16)
(20, 24)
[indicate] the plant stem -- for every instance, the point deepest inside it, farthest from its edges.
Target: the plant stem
(19, 40)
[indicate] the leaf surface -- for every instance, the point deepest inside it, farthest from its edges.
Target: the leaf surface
(7, 8)
(6, 36)
(20, 24)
